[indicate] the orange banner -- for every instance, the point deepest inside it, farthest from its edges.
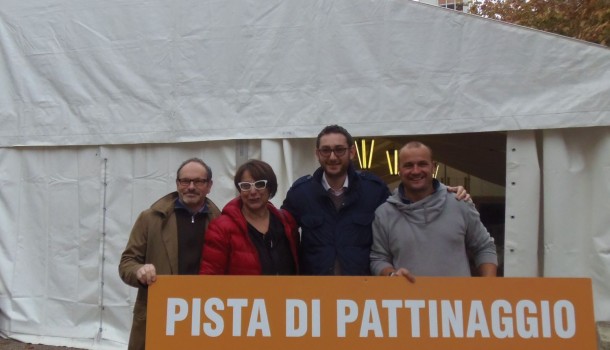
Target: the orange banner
(268, 312)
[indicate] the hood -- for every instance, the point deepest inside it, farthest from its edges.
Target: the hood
(423, 211)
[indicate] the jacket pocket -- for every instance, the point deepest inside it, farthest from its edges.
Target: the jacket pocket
(363, 219)
(312, 230)
(362, 231)
(312, 221)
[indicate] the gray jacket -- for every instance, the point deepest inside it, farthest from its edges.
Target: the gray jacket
(431, 237)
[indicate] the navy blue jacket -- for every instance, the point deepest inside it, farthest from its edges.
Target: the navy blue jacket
(327, 234)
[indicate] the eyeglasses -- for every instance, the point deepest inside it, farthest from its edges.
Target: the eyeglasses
(196, 182)
(338, 151)
(247, 186)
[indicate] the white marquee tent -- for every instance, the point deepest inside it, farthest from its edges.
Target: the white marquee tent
(101, 100)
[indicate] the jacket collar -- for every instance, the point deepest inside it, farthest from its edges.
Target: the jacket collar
(352, 174)
(351, 193)
(179, 205)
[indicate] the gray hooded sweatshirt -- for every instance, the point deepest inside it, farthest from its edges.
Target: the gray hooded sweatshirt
(430, 237)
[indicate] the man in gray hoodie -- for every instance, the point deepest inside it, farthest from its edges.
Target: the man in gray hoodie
(422, 230)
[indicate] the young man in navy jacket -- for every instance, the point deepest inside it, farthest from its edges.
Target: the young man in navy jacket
(335, 208)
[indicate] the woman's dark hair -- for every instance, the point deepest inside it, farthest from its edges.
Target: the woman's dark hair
(259, 171)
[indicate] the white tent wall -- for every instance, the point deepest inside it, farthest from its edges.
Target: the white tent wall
(576, 208)
(557, 222)
(290, 159)
(522, 219)
(50, 232)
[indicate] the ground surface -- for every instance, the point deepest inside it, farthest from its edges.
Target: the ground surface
(9, 344)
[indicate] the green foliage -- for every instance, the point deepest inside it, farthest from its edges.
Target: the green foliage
(581, 19)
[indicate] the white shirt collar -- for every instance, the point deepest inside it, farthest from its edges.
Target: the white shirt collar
(327, 186)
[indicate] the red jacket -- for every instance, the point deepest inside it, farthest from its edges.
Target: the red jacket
(228, 249)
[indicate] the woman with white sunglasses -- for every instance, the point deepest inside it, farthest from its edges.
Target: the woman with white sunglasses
(251, 236)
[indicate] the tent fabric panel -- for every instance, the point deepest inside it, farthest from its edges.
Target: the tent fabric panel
(576, 221)
(290, 159)
(53, 280)
(149, 72)
(522, 215)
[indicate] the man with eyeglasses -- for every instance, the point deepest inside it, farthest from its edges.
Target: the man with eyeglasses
(167, 238)
(335, 208)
